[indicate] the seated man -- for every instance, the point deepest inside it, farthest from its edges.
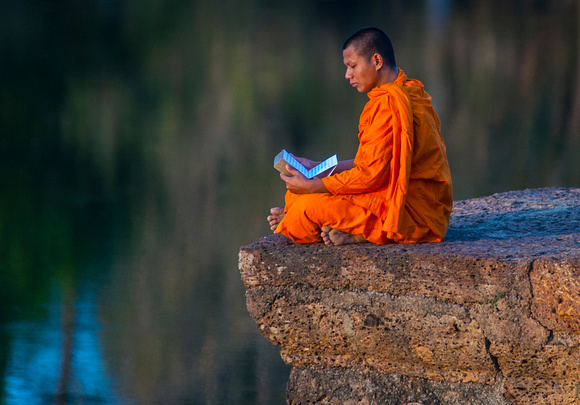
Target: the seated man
(398, 187)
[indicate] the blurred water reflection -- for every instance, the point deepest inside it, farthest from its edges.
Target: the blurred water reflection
(137, 140)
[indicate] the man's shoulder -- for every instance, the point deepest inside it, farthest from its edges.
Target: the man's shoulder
(416, 89)
(387, 92)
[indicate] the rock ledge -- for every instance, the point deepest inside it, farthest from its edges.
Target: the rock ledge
(491, 315)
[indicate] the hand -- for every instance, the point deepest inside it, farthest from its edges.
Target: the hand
(298, 184)
(342, 166)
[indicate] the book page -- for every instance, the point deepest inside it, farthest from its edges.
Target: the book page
(327, 164)
(283, 158)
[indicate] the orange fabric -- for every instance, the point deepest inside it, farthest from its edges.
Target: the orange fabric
(307, 213)
(400, 175)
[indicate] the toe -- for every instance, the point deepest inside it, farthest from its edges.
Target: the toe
(276, 211)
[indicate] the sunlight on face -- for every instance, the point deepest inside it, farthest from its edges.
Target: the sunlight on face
(361, 72)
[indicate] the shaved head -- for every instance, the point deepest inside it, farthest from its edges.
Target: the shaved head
(368, 41)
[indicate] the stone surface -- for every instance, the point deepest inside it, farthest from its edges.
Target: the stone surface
(492, 313)
(363, 385)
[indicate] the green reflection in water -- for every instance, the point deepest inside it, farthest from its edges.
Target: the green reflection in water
(137, 142)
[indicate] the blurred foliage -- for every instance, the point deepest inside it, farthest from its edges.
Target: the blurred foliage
(137, 140)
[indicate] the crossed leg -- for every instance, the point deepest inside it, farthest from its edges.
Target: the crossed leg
(310, 218)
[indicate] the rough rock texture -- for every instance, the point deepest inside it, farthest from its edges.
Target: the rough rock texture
(491, 315)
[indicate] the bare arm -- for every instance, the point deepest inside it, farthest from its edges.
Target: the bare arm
(344, 165)
(299, 184)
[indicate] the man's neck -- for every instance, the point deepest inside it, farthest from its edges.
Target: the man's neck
(388, 76)
(392, 75)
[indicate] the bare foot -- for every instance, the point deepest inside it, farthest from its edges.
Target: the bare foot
(334, 237)
(275, 218)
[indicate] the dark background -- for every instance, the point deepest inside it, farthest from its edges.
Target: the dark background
(136, 148)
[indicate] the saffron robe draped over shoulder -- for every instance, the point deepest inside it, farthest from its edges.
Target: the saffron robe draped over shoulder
(400, 182)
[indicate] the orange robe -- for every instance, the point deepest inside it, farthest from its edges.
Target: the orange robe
(400, 187)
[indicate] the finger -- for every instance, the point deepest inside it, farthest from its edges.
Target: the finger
(293, 171)
(290, 169)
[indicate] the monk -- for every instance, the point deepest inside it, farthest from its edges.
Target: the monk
(398, 187)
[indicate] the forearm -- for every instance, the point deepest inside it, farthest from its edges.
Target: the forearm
(316, 185)
(298, 184)
(344, 165)
(304, 186)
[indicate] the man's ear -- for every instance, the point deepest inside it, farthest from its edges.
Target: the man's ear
(378, 61)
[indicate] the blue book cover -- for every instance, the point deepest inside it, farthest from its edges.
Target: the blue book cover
(284, 158)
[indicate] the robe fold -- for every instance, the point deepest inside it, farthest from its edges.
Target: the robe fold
(399, 189)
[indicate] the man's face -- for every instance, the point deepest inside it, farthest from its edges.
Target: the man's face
(360, 72)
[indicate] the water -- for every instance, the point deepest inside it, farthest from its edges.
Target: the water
(136, 147)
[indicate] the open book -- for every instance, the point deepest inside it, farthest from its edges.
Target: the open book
(284, 158)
